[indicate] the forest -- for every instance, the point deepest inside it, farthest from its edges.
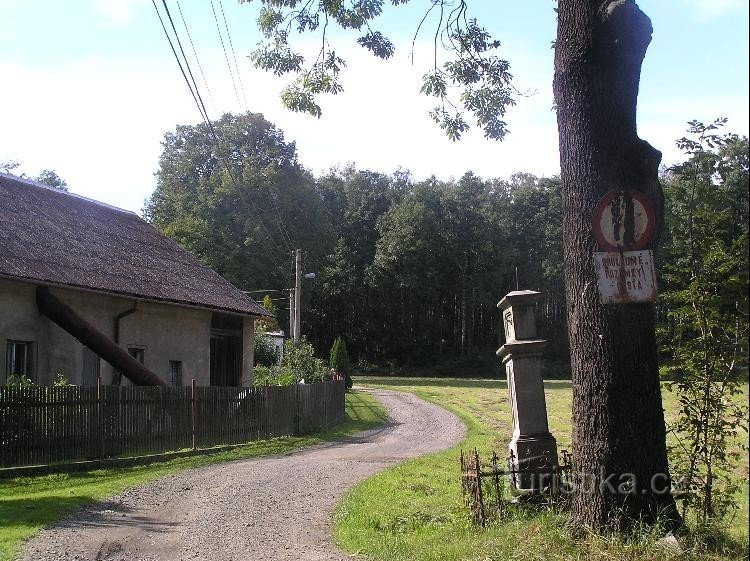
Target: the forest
(409, 271)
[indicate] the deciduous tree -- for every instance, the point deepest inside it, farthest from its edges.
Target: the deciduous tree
(705, 338)
(617, 410)
(238, 200)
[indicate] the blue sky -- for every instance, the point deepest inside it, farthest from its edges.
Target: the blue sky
(89, 88)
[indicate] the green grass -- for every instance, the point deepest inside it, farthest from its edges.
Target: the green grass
(414, 511)
(27, 504)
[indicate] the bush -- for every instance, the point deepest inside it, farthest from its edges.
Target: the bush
(18, 380)
(299, 363)
(272, 376)
(61, 381)
(339, 360)
(266, 353)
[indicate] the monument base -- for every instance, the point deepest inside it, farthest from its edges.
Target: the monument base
(534, 459)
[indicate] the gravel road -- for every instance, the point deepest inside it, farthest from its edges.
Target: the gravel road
(273, 508)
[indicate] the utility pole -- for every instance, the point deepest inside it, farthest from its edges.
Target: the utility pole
(297, 294)
(291, 313)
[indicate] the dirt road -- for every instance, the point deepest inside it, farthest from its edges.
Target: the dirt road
(274, 508)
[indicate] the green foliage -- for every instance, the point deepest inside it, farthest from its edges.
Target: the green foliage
(9, 166)
(410, 271)
(61, 381)
(18, 380)
(271, 324)
(414, 511)
(705, 338)
(239, 222)
(298, 364)
(479, 77)
(266, 352)
(50, 177)
(273, 376)
(339, 360)
(47, 177)
(300, 361)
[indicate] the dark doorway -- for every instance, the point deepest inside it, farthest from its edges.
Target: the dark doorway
(90, 370)
(226, 350)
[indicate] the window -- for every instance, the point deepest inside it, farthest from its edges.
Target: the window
(175, 372)
(18, 359)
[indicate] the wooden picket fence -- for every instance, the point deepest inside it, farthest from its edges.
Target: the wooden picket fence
(44, 425)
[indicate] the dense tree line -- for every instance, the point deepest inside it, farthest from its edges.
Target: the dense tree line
(417, 268)
(408, 272)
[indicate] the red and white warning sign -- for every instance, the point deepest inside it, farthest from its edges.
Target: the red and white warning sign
(623, 220)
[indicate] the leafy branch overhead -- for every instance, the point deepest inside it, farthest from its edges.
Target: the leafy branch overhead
(474, 80)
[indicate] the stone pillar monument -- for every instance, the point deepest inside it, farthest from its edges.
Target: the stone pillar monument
(534, 450)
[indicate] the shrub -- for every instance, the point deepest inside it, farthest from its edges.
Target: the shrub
(61, 381)
(272, 376)
(339, 360)
(18, 380)
(301, 362)
(266, 353)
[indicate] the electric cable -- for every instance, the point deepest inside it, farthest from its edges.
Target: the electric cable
(202, 110)
(226, 57)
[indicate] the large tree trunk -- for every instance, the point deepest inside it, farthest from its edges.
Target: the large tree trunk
(618, 422)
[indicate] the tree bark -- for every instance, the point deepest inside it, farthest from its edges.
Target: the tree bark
(619, 434)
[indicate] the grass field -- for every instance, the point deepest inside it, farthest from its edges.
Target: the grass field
(29, 503)
(414, 511)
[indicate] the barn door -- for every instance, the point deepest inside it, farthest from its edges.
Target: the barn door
(226, 350)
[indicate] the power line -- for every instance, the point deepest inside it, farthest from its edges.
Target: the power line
(226, 57)
(234, 56)
(280, 221)
(204, 114)
(195, 53)
(177, 58)
(202, 107)
(282, 226)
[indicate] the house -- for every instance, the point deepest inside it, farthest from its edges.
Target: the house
(80, 280)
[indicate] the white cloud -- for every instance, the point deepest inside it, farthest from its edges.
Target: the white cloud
(662, 122)
(712, 9)
(99, 122)
(117, 13)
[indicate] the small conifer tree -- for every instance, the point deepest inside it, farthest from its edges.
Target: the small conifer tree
(339, 360)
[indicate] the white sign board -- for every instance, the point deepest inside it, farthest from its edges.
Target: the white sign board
(625, 277)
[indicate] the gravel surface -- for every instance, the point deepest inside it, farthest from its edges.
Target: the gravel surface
(272, 508)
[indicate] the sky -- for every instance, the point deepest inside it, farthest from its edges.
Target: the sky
(89, 88)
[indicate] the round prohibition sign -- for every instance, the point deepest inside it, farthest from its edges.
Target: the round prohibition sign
(624, 220)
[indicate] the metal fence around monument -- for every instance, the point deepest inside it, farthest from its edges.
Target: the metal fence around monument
(489, 489)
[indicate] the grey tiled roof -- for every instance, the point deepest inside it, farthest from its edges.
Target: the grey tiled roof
(52, 237)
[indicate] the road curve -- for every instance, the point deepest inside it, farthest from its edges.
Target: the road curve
(273, 508)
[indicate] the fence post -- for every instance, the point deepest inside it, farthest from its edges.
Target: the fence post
(297, 415)
(100, 414)
(193, 412)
